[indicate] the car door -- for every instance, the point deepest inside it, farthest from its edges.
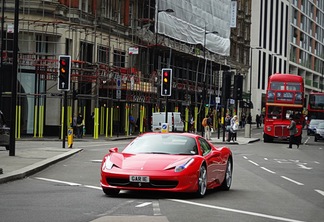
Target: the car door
(211, 160)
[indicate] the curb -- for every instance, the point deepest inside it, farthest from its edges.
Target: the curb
(36, 167)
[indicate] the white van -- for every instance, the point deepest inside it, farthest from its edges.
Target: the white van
(159, 118)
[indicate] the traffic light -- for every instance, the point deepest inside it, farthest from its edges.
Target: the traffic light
(226, 87)
(238, 87)
(166, 82)
(64, 73)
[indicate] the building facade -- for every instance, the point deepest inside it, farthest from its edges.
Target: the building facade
(287, 37)
(117, 52)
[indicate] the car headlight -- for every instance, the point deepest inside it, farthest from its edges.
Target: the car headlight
(268, 128)
(107, 165)
(183, 166)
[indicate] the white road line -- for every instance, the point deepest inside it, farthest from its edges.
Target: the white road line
(93, 187)
(265, 158)
(156, 208)
(253, 163)
(96, 161)
(268, 170)
(245, 157)
(144, 204)
(320, 192)
(58, 181)
(291, 180)
(237, 211)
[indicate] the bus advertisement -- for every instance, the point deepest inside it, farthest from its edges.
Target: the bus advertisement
(284, 97)
(315, 109)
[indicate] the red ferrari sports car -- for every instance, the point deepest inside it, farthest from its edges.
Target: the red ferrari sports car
(174, 162)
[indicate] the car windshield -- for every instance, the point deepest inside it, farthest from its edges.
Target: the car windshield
(320, 126)
(162, 144)
(315, 122)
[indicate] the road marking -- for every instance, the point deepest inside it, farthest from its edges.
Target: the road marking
(268, 170)
(93, 187)
(320, 192)
(144, 204)
(58, 181)
(237, 211)
(156, 208)
(265, 158)
(96, 161)
(291, 180)
(304, 167)
(253, 163)
(245, 157)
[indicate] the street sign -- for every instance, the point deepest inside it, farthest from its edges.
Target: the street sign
(118, 94)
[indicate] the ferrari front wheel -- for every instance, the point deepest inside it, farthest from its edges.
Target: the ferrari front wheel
(111, 192)
(228, 176)
(202, 181)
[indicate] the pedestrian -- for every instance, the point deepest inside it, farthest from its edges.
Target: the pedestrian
(257, 120)
(243, 119)
(292, 132)
(228, 126)
(92, 117)
(249, 119)
(79, 125)
(234, 128)
(132, 124)
(192, 125)
(74, 125)
(206, 127)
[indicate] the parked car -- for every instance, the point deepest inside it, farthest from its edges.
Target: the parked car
(319, 134)
(313, 125)
(171, 162)
(4, 132)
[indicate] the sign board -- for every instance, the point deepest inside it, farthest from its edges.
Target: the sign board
(133, 50)
(217, 99)
(164, 127)
(118, 82)
(118, 94)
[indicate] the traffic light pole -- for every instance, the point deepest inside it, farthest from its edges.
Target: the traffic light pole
(166, 109)
(64, 119)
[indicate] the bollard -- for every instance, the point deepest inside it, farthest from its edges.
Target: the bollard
(247, 131)
(70, 137)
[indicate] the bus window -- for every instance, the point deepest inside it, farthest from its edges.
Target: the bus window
(277, 86)
(293, 86)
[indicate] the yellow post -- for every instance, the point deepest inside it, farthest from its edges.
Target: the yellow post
(176, 109)
(102, 119)
(96, 124)
(196, 118)
(141, 119)
(107, 116)
(111, 120)
(35, 120)
(186, 118)
(127, 120)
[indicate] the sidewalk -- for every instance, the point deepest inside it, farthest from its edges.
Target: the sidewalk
(30, 159)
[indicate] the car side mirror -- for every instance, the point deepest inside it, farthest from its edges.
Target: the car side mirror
(113, 150)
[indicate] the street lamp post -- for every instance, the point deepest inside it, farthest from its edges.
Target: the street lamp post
(155, 60)
(251, 69)
(205, 67)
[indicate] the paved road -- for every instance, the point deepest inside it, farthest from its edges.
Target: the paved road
(271, 183)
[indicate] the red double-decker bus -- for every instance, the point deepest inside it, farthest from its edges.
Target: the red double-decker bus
(285, 97)
(315, 109)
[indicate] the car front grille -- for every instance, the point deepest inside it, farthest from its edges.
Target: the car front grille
(166, 184)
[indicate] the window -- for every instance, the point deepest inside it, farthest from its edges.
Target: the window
(103, 54)
(204, 146)
(119, 58)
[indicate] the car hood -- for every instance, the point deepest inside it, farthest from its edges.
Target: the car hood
(147, 161)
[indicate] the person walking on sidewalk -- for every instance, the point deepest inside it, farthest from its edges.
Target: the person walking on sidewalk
(234, 128)
(292, 131)
(206, 126)
(79, 125)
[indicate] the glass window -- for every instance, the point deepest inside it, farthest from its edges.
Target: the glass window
(204, 146)
(277, 86)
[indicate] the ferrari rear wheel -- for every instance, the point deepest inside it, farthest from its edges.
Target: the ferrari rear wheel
(226, 185)
(111, 192)
(202, 181)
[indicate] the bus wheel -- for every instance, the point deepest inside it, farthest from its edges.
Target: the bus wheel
(267, 139)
